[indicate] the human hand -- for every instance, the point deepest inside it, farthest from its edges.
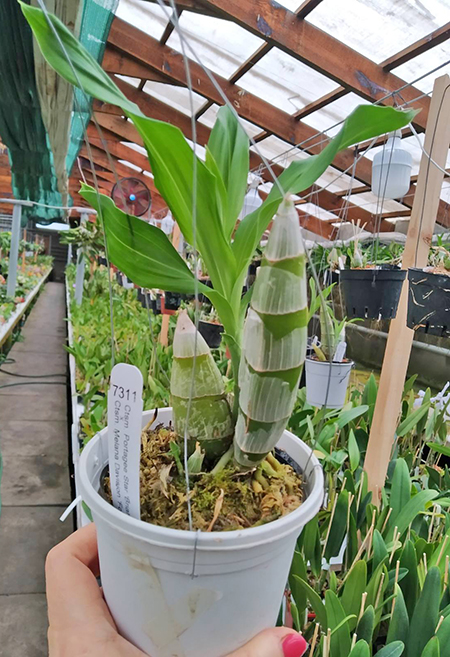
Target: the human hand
(80, 624)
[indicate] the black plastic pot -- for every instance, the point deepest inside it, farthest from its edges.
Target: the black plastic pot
(141, 297)
(211, 332)
(172, 300)
(429, 302)
(372, 293)
(102, 261)
(119, 277)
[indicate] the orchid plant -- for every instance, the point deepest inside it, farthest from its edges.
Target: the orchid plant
(206, 198)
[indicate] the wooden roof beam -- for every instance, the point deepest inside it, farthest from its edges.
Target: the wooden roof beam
(306, 8)
(422, 45)
(137, 45)
(320, 50)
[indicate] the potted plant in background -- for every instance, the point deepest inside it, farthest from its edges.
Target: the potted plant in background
(429, 294)
(327, 369)
(371, 290)
(210, 328)
(239, 575)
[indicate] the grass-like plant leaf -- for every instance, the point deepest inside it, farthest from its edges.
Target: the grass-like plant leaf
(426, 614)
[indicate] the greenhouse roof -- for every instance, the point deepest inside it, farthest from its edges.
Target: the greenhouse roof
(293, 70)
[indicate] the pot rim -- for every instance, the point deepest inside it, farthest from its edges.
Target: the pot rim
(209, 541)
(326, 363)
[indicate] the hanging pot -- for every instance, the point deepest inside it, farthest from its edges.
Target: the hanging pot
(211, 332)
(327, 383)
(372, 293)
(429, 302)
(193, 594)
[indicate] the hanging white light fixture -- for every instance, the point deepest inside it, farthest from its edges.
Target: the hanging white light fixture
(167, 223)
(391, 169)
(252, 199)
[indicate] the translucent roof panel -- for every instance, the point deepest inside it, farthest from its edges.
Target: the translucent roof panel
(148, 16)
(220, 45)
(176, 97)
(316, 211)
(209, 118)
(379, 29)
(325, 120)
(424, 63)
(285, 82)
(371, 203)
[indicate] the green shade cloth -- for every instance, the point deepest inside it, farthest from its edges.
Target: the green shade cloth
(27, 85)
(21, 126)
(56, 95)
(95, 25)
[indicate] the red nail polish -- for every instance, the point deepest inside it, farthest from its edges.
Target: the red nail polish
(294, 645)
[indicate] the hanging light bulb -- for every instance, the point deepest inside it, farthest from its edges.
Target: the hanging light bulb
(391, 169)
(167, 223)
(252, 199)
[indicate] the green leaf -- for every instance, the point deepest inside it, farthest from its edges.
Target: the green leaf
(365, 627)
(399, 623)
(340, 640)
(432, 649)
(172, 163)
(410, 583)
(360, 649)
(146, 256)
(394, 649)
(410, 511)
(311, 546)
(338, 527)
(369, 396)
(400, 491)
(426, 614)
(315, 602)
(140, 250)
(441, 449)
(443, 634)
(353, 451)
(229, 145)
(411, 420)
(353, 590)
(380, 551)
(298, 568)
(78, 66)
(365, 122)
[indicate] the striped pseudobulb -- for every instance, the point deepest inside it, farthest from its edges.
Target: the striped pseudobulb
(274, 342)
(209, 421)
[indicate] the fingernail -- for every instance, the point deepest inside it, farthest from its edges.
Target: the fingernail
(294, 645)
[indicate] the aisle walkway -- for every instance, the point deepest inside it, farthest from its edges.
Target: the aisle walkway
(35, 486)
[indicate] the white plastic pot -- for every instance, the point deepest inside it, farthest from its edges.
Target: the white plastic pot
(176, 593)
(327, 383)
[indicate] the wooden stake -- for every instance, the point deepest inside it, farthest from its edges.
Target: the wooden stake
(314, 640)
(164, 335)
(398, 348)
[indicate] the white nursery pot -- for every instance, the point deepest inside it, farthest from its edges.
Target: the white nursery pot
(176, 593)
(327, 383)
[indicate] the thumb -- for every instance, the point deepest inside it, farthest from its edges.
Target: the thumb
(275, 642)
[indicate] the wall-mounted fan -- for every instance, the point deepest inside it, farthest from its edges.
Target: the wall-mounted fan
(132, 196)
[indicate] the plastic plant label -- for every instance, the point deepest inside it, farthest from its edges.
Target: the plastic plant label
(124, 440)
(340, 352)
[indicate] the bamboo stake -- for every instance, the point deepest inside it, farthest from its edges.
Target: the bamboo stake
(380, 587)
(386, 521)
(397, 569)
(394, 543)
(446, 571)
(444, 544)
(363, 604)
(398, 348)
(314, 640)
(439, 624)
